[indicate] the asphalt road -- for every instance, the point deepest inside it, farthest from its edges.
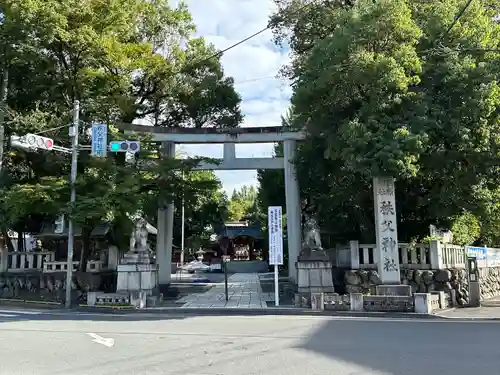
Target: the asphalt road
(58, 343)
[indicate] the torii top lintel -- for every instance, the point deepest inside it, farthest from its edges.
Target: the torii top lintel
(268, 134)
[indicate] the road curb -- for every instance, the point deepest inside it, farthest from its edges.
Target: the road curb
(254, 312)
(31, 303)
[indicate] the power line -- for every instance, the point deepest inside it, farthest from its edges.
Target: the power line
(457, 18)
(51, 129)
(221, 52)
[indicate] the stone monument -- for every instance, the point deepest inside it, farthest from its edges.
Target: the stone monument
(137, 275)
(386, 231)
(314, 266)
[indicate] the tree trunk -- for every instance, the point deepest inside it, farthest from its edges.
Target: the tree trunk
(20, 241)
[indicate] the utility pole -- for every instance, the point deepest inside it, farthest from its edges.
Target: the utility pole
(182, 224)
(73, 132)
(4, 87)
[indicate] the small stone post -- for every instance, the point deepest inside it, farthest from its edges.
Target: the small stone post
(422, 303)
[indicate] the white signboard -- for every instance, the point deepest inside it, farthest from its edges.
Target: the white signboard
(493, 257)
(99, 140)
(386, 230)
(275, 228)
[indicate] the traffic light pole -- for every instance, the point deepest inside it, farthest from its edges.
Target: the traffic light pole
(74, 164)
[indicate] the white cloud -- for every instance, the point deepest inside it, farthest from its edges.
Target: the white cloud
(254, 66)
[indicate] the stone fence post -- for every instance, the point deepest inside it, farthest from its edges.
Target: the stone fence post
(436, 255)
(4, 260)
(354, 245)
(356, 301)
(318, 301)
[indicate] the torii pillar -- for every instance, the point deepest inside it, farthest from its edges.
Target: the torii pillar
(293, 214)
(165, 234)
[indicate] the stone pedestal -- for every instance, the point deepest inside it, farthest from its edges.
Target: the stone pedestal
(314, 273)
(136, 278)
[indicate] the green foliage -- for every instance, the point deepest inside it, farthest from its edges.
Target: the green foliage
(243, 205)
(382, 89)
(466, 229)
(205, 209)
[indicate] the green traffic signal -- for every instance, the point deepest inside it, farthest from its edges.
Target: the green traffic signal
(114, 146)
(124, 146)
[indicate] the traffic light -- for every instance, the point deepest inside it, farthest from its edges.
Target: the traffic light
(32, 142)
(40, 142)
(125, 146)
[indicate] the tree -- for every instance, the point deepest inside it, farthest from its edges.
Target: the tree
(124, 60)
(243, 205)
(392, 92)
(205, 211)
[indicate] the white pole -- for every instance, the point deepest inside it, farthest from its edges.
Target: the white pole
(182, 233)
(74, 163)
(182, 226)
(276, 286)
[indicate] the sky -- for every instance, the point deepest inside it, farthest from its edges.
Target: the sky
(254, 66)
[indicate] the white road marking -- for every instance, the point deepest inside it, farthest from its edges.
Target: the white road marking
(102, 340)
(22, 312)
(7, 316)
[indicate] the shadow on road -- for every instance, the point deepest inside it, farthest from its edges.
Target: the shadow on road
(431, 347)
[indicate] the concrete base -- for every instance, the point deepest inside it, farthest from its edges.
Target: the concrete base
(314, 277)
(393, 290)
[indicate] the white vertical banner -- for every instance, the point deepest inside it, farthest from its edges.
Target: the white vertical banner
(99, 140)
(386, 230)
(275, 228)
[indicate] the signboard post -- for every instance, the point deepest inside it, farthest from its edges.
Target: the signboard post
(225, 259)
(99, 140)
(275, 229)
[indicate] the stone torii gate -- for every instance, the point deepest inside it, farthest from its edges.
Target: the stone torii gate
(169, 137)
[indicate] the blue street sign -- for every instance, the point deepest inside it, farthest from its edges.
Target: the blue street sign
(478, 252)
(99, 140)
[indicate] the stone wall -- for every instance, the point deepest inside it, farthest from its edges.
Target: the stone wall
(337, 302)
(421, 281)
(38, 286)
(490, 282)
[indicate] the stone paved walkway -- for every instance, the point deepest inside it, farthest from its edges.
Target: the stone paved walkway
(244, 292)
(490, 309)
